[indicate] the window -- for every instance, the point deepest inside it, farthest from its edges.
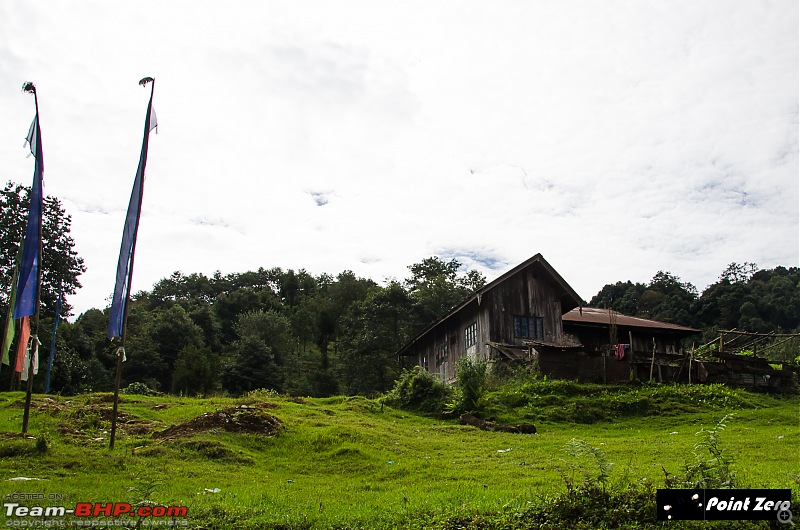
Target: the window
(442, 352)
(471, 335)
(529, 327)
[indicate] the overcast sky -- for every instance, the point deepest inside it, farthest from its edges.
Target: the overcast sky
(617, 138)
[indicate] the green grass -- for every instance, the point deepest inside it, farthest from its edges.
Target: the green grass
(353, 463)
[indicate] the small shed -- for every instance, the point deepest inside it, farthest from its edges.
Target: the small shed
(618, 347)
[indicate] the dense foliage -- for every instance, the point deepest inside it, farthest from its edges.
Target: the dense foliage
(743, 298)
(280, 329)
(418, 390)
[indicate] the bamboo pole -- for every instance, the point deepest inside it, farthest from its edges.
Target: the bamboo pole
(653, 360)
(121, 350)
(630, 361)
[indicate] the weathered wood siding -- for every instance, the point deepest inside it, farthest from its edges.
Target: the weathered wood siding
(528, 293)
(442, 347)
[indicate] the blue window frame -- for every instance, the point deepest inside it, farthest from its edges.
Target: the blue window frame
(529, 327)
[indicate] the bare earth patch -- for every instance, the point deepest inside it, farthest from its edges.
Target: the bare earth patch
(244, 418)
(41, 404)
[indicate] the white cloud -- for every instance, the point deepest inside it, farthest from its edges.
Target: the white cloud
(616, 138)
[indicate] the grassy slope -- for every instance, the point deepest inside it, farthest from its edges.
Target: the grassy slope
(350, 462)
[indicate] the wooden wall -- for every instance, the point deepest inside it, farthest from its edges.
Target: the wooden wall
(528, 293)
(444, 345)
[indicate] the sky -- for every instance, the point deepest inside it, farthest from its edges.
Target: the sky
(616, 138)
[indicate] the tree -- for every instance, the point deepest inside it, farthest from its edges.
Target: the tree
(436, 287)
(230, 305)
(61, 265)
(665, 298)
(145, 362)
(204, 317)
(621, 296)
(264, 343)
(738, 272)
(194, 289)
(373, 331)
(193, 372)
(762, 301)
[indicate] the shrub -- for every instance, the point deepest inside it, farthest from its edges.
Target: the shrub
(471, 382)
(416, 389)
(42, 443)
(140, 389)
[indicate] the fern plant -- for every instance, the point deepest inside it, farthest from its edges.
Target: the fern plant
(596, 474)
(712, 463)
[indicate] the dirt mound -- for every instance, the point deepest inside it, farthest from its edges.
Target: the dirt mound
(525, 428)
(41, 404)
(95, 420)
(243, 418)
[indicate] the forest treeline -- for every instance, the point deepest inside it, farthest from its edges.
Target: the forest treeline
(320, 335)
(272, 328)
(323, 335)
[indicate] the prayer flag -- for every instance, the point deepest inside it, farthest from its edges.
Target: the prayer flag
(28, 282)
(22, 346)
(8, 336)
(122, 286)
(53, 344)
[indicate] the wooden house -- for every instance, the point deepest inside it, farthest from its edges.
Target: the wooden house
(531, 315)
(507, 318)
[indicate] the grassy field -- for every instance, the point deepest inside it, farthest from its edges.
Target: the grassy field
(354, 463)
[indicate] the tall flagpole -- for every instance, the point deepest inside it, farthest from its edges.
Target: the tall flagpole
(118, 320)
(37, 178)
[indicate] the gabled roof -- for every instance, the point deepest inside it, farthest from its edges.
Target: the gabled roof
(569, 298)
(568, 293)
(594, 317)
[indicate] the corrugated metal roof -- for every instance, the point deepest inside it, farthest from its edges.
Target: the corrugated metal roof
(595, 316)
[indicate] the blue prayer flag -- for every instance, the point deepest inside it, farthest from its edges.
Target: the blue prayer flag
(122, 286)
(28, 282)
